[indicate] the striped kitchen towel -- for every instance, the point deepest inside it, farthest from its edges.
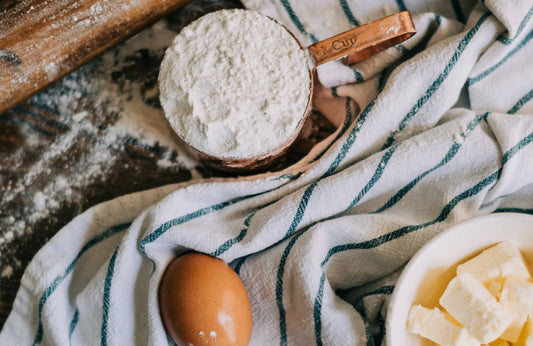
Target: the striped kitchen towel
(432, 132)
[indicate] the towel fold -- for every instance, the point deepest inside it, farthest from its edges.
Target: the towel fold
(444, 133)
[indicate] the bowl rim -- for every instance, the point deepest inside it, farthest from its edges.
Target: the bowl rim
(487, 218)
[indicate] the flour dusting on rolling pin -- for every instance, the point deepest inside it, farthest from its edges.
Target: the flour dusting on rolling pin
(236, 85)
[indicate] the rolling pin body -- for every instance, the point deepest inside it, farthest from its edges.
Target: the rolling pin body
(44, 40)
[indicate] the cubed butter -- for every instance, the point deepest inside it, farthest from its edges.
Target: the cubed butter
(501, 260)
(517, 296)
(499, 342)
(433, 325)
(472, 305)
(526, 337)
(495, 288)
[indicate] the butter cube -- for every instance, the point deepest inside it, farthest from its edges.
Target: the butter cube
(517, 296)
(501, 260)
(472, 305)
(526, 337)
(500, 342)
(433, 325)
(495, 288)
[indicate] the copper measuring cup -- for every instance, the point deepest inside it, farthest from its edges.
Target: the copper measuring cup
(354, 45)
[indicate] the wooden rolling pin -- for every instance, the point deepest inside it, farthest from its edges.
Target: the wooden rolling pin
(44, 40)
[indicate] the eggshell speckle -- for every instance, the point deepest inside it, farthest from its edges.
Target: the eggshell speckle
(204, 302)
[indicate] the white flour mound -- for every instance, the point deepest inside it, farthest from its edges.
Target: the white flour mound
(235, 84)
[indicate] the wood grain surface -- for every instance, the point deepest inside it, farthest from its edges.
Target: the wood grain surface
(43, 40)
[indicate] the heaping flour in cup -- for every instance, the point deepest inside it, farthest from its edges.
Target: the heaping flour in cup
(235, 84)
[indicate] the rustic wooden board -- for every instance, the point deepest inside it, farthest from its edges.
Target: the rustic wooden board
(44, 40)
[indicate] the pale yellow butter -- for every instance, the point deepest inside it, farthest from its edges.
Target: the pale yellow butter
(526, 337)
(499, 261)
(433, 325)
(472, 305)
(495, 288)
(517, 296)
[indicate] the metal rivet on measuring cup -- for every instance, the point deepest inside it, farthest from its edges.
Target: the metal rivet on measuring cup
(218, 83)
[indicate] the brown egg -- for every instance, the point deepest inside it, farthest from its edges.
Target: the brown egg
(204, 302)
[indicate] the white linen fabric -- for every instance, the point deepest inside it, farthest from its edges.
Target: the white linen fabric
(444, 133)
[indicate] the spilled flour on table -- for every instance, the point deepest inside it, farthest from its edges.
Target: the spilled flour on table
(104, 112)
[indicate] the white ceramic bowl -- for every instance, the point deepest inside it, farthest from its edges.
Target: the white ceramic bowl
(425, 277)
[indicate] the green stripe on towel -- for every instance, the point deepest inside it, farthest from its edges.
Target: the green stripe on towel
(482, 75)
(59, 279)
(438, 82)
(106, 297)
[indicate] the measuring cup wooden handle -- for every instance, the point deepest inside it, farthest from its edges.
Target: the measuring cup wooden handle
(364, 41)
